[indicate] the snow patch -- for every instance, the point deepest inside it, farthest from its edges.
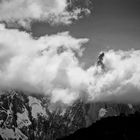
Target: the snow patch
(102, 112)
(22, 119)
(37, 109)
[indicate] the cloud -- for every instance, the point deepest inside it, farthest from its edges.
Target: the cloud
(120, 81)
(49, 65)
(46, 65)
(23, 12)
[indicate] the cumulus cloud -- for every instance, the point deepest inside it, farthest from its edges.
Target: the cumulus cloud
(49, 65)
(46, 65)
(25, 11)
(120, 79)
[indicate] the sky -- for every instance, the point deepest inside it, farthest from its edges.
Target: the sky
(42, 43)
(113, 24)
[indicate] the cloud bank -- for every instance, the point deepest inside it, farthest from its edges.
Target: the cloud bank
(46, 65)
(49, 65)
(120, 80)
(23, 12)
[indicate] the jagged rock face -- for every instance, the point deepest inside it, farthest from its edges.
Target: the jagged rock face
(31, 117)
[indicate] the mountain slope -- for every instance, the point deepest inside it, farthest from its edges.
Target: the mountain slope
(32, 117)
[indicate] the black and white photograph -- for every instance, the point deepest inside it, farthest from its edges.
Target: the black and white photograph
(69, 69)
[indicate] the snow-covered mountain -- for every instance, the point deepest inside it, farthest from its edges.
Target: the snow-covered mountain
(31, 117)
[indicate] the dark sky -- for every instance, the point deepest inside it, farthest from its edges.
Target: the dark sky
(113, 24)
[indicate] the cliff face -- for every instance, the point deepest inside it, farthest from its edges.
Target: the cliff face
(31, 117)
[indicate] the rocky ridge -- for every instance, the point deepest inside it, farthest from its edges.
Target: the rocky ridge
(31, 117)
